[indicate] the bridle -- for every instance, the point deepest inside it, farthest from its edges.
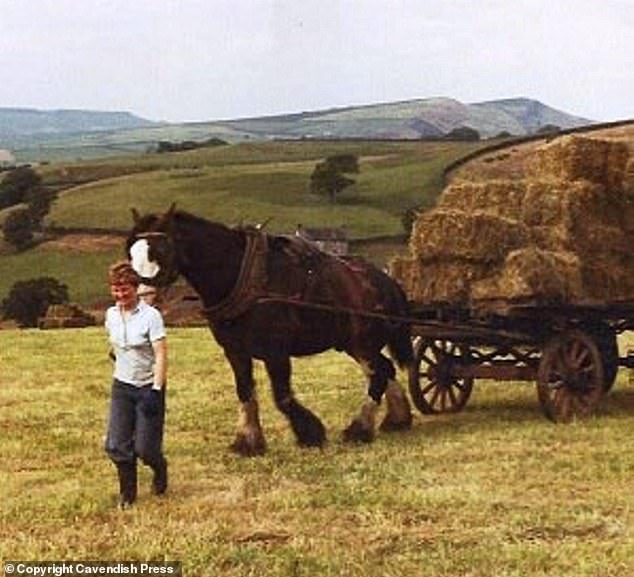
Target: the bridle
(172, 272)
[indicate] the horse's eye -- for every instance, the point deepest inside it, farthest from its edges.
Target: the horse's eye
(159, 249)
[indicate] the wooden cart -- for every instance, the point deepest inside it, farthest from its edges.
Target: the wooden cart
(571, 352)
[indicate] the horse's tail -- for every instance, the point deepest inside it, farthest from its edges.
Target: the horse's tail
(399, 334)
(399, 345)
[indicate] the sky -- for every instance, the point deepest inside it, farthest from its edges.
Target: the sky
(199, 60)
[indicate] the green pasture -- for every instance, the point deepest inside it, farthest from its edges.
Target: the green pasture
(263, 182)
(496, 490)
(84, 273)
(258, 183)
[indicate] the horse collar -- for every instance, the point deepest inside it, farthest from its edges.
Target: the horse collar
(251, 280)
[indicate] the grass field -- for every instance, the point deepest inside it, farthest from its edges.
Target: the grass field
(496, 490)
(258, 182)
(243, 183)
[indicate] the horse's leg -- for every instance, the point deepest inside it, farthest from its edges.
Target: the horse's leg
(249, 439)
(382, 377)
(308, 429)
(361, 428)
(399, 410)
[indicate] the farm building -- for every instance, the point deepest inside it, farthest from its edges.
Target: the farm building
(331, 240)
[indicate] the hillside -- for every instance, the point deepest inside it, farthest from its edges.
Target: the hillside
(413, 119)
(16, 122)
(58, 135)
(250, 182)
(247, 182)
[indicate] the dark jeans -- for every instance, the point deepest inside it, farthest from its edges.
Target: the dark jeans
(132, 433)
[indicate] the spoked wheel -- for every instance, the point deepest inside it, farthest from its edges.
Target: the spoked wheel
(605, 337)
(433, 384)
(570, 379)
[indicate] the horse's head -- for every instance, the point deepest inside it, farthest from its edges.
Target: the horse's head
(150, 247)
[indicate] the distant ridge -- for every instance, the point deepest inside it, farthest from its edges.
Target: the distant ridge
(35, 135)
(419, 118)
(412, 119)
(30, 121)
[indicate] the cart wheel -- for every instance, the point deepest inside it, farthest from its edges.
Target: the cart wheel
(605, 338)
(570, 377)
(433, 387)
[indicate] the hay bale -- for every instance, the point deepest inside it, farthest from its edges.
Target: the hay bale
(69, 315)
(553, 203)
(573, 157)
(454, 234)
(531, 273)
(608, 278)
(61, 310)
(503, 198)
(439, 282)
(561, 234)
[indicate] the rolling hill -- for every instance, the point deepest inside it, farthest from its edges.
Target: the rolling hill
(53, 135)
(412, 119)
(29, 121)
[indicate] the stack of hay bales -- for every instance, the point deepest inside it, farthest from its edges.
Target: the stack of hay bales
(561, 234)
(65, 316)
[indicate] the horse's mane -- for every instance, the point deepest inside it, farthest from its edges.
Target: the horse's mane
(186, 220)
(184, 217)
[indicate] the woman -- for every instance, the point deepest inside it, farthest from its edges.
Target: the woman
(137, 407)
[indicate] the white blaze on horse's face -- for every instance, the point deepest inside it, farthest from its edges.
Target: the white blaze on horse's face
(141, 263)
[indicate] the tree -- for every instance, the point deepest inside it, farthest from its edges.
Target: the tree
(29, 300)
(329, 178)
(18, 228)
(463, 133)
(16, 185)
(24, 186)
(39, 201)
(344, 162)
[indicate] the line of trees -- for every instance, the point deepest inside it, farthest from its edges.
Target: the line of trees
(22, 188)
(168, 146)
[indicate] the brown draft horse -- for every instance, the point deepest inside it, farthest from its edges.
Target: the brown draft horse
(272, 297)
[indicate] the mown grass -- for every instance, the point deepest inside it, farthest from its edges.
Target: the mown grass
(495, 490)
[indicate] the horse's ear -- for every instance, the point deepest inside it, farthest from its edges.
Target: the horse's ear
(166, 218)
(136, 217)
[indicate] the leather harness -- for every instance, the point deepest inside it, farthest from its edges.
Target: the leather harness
(251, 282)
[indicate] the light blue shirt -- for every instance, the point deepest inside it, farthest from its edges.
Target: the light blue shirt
(131, 337)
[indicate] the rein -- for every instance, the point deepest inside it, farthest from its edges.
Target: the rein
(297, 302)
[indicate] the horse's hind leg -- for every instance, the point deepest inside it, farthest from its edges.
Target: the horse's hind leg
(399, 410)
(308, 429)
(361, 428)
(249, 439)
(381, 376)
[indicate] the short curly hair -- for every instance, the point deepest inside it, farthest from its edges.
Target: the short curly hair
(123, 273)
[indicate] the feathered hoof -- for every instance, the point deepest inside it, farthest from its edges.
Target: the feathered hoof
(313, 435)
(355, 432)
(391, 425)
(248, 447)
